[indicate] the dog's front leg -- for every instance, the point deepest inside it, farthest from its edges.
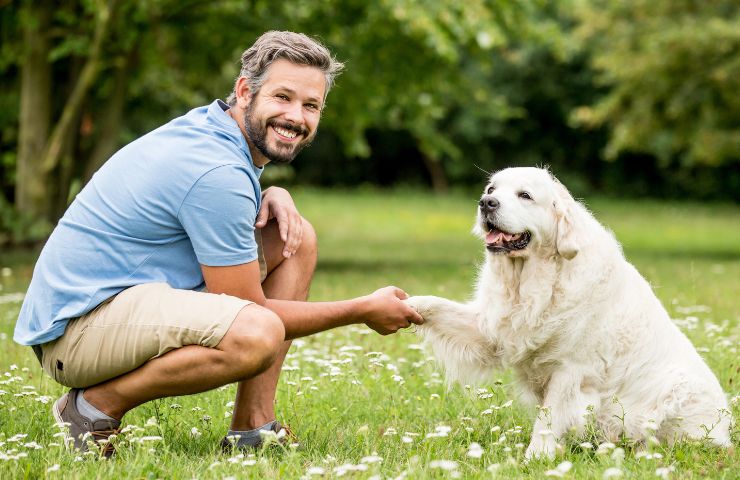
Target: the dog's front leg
(565, 408)
(452, 329)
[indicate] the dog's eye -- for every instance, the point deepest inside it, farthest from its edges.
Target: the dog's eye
(490, 190)
(525, 195)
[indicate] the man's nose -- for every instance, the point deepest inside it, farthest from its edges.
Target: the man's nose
(488, 204)
(294, 113)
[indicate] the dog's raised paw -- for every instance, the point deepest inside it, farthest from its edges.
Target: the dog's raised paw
(425, 305)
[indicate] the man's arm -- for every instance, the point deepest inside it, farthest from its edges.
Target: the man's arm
(382, 310)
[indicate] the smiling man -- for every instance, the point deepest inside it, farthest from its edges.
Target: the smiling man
(172, 273)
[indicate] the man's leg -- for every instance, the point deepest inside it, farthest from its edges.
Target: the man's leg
(247, 349)
(287, 279)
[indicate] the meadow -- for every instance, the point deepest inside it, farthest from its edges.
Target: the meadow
(367, 406)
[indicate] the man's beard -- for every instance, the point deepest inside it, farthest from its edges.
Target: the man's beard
(258, 136)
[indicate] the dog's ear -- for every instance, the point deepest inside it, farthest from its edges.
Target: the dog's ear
(566, 237)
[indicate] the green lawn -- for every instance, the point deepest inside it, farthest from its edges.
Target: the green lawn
(363, 405)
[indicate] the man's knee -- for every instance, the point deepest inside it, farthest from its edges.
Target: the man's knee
(273, 246)
(254, 339)
(309, 248)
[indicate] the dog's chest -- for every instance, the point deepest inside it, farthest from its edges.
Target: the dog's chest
(526, 344)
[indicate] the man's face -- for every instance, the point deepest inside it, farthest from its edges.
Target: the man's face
(283, 116)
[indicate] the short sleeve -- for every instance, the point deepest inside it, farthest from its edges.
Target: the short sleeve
(218, 215)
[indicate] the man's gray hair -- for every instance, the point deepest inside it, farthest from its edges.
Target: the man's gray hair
(294, 47)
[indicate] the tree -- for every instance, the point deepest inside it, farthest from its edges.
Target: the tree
(84, 66)
(76, 67)
(413, 65)
(672, 72)
(42, 149)
(96, 73)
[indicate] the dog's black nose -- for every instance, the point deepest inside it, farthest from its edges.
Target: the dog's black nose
(488, 204)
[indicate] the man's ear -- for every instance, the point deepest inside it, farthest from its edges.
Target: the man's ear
(567, 242)
(242, 92)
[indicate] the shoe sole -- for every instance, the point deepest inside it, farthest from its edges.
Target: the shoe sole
(57, 414)
(58, 418)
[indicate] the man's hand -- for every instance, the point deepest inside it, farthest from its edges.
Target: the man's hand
(386, 313)
(278, 204)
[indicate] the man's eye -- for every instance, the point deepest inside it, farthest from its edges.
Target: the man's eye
(312, 106)
(525, 195)
(281, 96)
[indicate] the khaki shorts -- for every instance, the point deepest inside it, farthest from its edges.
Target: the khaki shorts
(140, 323)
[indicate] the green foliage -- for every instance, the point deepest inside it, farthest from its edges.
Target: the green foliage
(424, 68)
(673, 75)
(9, 96)
(18, 229)
(432, 89)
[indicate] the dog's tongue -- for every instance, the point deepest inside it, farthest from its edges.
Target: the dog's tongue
(497, 236)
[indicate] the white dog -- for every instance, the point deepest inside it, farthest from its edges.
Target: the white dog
(557, 302)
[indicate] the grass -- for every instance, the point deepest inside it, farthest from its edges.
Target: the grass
(350, 394)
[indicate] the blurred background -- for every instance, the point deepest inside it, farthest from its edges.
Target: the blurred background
(620, 98)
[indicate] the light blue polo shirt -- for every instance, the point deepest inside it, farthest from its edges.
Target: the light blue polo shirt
(182, 195)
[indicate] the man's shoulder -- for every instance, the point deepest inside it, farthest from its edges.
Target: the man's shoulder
(192, 144)
(211, 120)
(208, 127)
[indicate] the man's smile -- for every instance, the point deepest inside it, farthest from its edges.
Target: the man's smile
(284, 134)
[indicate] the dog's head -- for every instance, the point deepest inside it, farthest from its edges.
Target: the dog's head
(526, 212)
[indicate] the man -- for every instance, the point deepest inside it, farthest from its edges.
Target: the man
(116, 308)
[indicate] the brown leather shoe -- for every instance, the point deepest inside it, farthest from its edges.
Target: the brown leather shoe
(83, 429)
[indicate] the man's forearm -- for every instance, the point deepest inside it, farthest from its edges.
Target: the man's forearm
(306, 318)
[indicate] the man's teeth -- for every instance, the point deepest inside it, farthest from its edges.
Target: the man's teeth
(285, 133)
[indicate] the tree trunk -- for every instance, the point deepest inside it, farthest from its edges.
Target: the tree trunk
(437, 174)
(35, 110)
(64, 173)
(110, 124)
(56, 146)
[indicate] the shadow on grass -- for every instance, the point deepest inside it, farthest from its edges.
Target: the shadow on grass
(365, 264)
(339, 265)
(687, 253)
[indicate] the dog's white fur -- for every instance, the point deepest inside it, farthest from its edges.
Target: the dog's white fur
(578, 324)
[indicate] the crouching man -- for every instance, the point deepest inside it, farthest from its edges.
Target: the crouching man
(172, 273)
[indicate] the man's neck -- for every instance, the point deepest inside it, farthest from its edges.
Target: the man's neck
(258, 159)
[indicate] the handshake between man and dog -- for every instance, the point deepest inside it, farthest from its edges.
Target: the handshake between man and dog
(558, 303)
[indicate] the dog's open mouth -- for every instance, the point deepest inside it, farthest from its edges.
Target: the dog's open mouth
(498, 241)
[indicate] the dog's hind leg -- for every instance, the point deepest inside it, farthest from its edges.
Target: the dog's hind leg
(698, 424)
(565, 409)
(694, 409)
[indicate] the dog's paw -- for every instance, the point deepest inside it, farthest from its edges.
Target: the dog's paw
(425, 305)
(543, 446)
